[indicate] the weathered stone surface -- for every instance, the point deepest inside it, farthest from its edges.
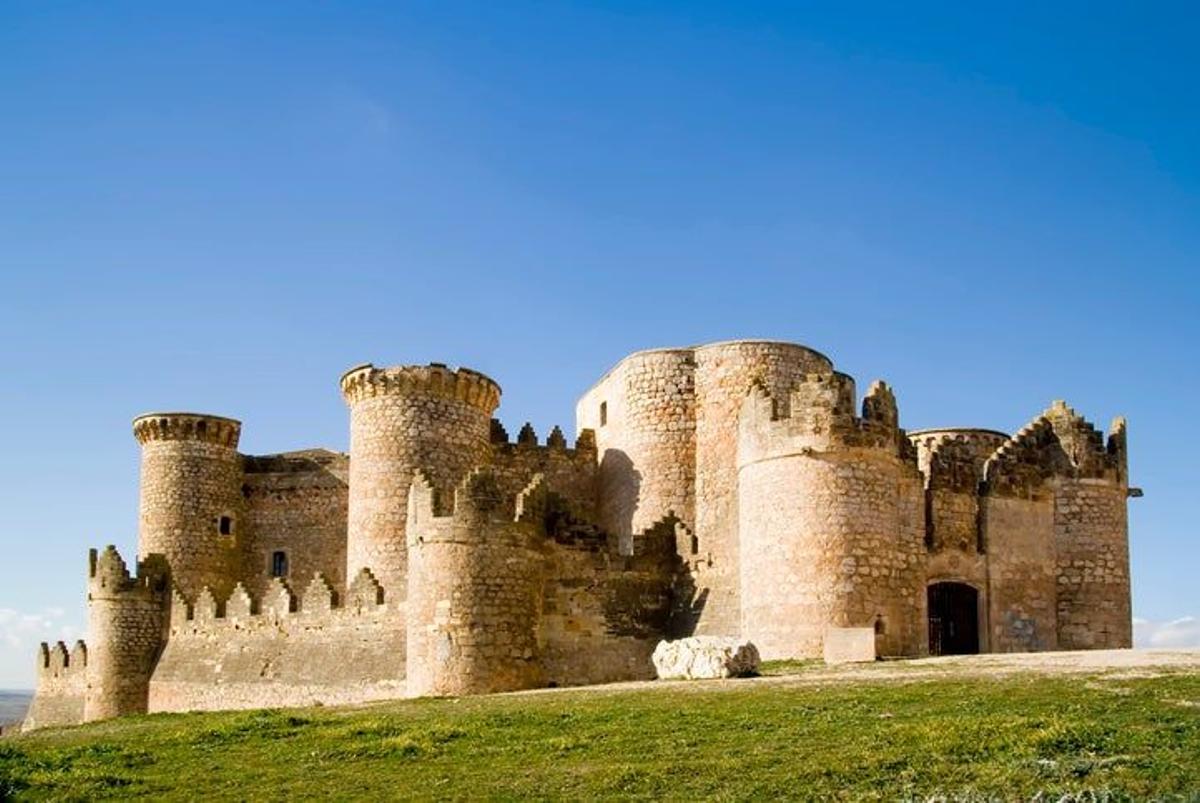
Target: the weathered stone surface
(703, 657)
(846, 645)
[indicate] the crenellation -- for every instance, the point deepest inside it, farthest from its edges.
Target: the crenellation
(737, 488)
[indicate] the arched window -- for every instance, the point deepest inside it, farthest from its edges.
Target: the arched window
(279, 564)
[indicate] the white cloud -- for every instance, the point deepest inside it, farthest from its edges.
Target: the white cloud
(1181, 632)
(20, 634)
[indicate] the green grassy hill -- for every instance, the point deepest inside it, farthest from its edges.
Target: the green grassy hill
(1010, 737)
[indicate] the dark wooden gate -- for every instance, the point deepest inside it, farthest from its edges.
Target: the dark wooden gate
(953, 619)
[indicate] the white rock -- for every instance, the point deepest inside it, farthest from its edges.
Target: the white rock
(705, 657)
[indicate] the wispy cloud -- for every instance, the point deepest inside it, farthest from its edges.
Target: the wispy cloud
(1181, 632)
(20, 633)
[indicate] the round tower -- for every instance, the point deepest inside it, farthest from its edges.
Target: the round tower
(403, 419)
(191, 500)
(474, 602)
(830, 520)
(126, 625)
(724, 373)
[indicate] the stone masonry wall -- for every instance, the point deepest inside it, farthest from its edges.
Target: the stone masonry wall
(61, 687)
(1092, 537)
(1021, 561)
(282, 650)
(296, 503)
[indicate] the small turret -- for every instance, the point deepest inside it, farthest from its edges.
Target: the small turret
(127, 621)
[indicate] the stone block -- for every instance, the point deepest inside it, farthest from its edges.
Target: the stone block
(848, 645)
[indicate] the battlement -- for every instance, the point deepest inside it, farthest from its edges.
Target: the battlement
(202, 427)
(818, 414)
(556, 441)
(470, 387)
(1058, 442)
(953, 458)
(476, 501)
(109, 577)
(278, 605)
(55, 662)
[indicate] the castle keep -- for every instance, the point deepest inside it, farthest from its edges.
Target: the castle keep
(737, 489)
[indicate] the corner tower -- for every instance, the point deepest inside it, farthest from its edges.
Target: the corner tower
(191, 500)
(405, 418)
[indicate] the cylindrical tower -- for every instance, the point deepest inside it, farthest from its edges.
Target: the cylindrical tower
(191, 500)
(126, 622)
(724, 373)
(474, 593)
(830, 522)
(403, 419)
(643, 413)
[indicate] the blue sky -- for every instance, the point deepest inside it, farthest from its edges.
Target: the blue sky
(222, 206)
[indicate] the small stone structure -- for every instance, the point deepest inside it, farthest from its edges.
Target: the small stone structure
(737, 490)
(705, 657)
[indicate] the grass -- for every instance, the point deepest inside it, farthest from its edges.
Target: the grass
(1015, 737)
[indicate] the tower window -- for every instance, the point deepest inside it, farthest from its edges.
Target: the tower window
(279, 564)
(225, 525)
(603, 413)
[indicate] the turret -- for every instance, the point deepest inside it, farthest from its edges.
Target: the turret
(476, 571)
(191, 501)
(403, 419)
(127, 621)
(830, 519)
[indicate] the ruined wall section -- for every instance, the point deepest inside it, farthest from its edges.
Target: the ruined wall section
(831, 524)
(475, 588)
(61, 687)
(1091, 532)
(126, 628)
(403, 419)
(296, 503)
(644, 419)
(280, 649)
(191, 478)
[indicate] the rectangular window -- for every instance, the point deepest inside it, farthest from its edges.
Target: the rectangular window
(603, 413)
(279, 564)
(225, 525)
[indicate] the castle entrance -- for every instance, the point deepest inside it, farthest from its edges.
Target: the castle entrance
(953, 619)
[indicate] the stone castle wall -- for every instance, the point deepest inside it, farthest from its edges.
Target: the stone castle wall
(295, 503)
(61, 687)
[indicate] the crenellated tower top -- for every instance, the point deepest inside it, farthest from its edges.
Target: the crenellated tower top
(214, 429)
(366, 381)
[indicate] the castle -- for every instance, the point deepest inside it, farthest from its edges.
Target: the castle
(729, 489)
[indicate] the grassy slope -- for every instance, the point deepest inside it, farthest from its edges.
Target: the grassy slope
(1010, 737)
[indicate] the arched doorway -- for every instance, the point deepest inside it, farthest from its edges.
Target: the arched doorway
(953, 619)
